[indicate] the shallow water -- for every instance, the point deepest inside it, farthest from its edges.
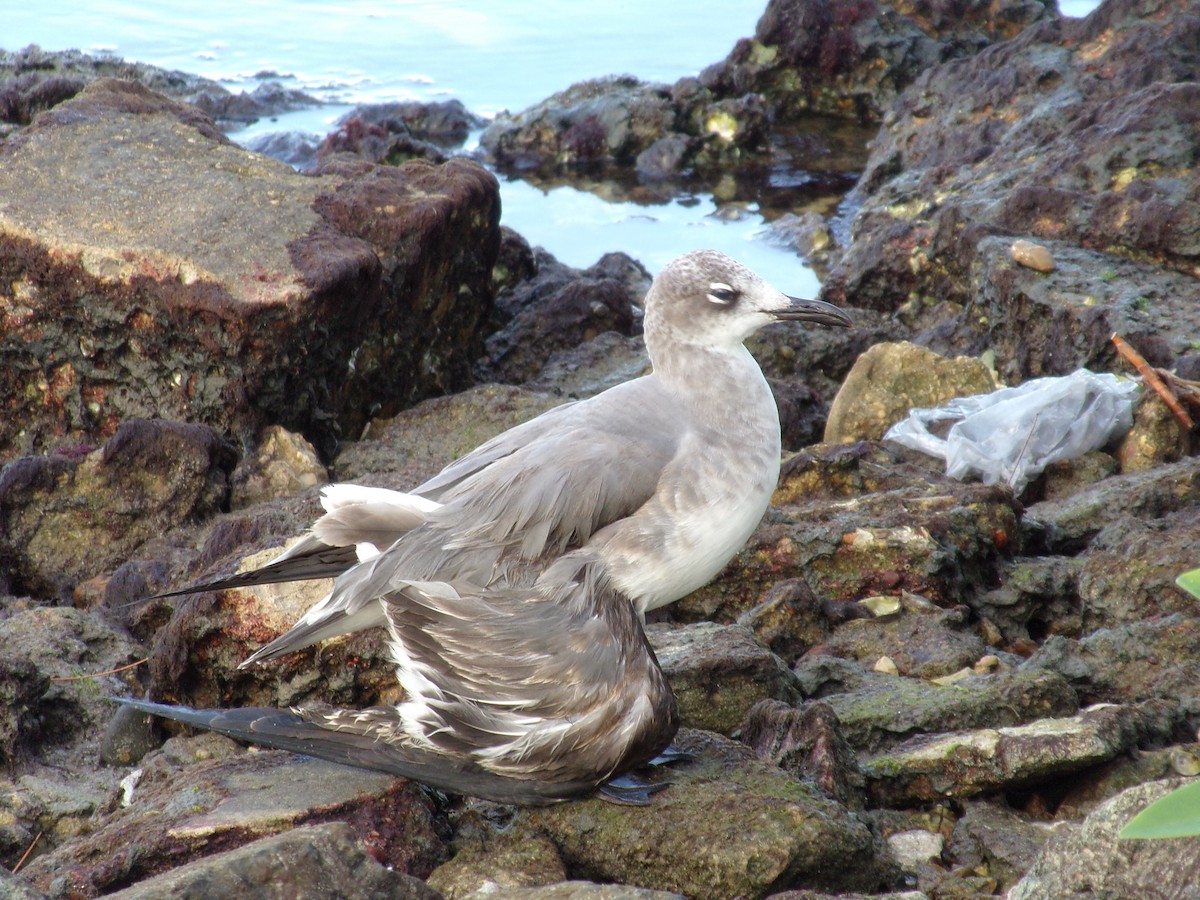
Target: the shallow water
(504, 54)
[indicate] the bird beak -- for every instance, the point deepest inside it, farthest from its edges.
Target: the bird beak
(817, 311)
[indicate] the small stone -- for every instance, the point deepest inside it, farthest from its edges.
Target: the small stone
(953, 677)
(913, 849)
(886, 665)
(986, 664)
(1032, 256)
(881, 605)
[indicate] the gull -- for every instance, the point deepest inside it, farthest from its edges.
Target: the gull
(513, 584)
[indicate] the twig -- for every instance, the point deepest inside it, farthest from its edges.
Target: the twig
(1012, 477)
(1152, 379)
(101, 674)
(25, 855)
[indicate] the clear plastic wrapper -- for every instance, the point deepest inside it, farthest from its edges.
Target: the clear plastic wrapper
(1012, 434)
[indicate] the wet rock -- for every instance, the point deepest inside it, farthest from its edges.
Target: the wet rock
(308, 863)
(922, 645)
(718, 672)
(48, 657)
(997, 840)
(33, 79)
(772, 832)
(446, 123)
(416, 444)
(515, 859)
(594, 366)
(1063, 136)
(1130, 662)
(1128, 572)
(1089, 860)
(1157, 437)
(231, 111)
(297, 277)
(558, 309)
(1038, 596)
(177, 815)
(1068, 524)
(877, 711)
(609, 119)
(889, 380)
(282, 463)
(69, 517)
(808, 743)
(391, 143)
(967, 763)
(577, 890)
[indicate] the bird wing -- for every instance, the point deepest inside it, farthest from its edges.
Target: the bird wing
(518, 696)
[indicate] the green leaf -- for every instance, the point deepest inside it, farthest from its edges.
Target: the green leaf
(1190, 582)
(1175, 815)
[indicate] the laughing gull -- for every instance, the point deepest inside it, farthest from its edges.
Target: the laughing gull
(513, 584)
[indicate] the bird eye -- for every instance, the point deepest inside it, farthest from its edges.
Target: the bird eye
(722, 294)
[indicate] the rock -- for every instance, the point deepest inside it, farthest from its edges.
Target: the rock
(718, 672)
(1063, 136)
(416, 444)
(1032, 256)
(283, 463)
(558, 309)
(916, 848)
(517, 859)
(196, 657)
(1037, 595)
(967, 763)
(446, 123)
(178, 815)
(1132, 661)
(877, 711)
(52, 665)
(997, 839)
(1107, 781)
(312, 862)
(230, 111)
(296, 278)
(608, 119)
(1128, 572)
(1063, 478)
(69, 517)
(14, 887)
(889, 380)
(926, 645)
(808, 743)
(575, 890)
(33, 79)
(773, 832)
(788, 619)
(1067, 525)
(1156, 438)
(130, 735)
(1089, 860)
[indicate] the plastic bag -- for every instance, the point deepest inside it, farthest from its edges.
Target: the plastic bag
(1012, 434)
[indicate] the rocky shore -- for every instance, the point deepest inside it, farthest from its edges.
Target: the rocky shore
(905, 685)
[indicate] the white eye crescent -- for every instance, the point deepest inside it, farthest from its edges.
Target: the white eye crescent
(722, 294)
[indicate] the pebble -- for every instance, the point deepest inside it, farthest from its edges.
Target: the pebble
(1032, 256)
(886, 665)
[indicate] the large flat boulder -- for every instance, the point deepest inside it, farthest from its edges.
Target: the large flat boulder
(151, 268)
